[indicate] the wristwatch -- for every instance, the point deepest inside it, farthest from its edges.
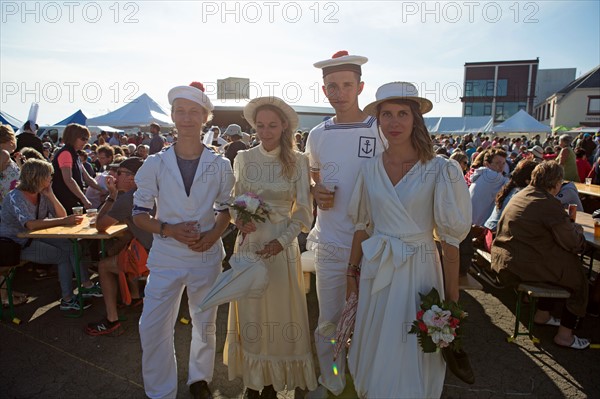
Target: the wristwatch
(162, 230)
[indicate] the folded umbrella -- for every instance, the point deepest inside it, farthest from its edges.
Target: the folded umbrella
(345, 327)
(247, 278)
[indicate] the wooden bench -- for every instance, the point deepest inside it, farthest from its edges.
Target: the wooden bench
(485, 272)
(9, 274)
(535, 291)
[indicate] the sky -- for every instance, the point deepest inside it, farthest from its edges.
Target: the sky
(98, 56)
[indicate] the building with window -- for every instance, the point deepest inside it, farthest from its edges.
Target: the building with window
(549, 81)
(576, 104)
(499, 89)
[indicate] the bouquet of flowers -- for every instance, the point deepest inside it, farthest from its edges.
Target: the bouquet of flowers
(249, 207)
(438, 323)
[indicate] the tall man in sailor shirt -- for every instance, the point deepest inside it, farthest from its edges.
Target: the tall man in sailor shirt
(187, 182)
(336, 150)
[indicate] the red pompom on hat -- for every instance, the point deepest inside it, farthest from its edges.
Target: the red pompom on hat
(339, 54)
(198, 86)
(342, 61)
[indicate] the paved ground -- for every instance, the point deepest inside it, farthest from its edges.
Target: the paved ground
(49, 356)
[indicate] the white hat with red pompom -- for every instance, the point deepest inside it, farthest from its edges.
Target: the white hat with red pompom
(194, 92)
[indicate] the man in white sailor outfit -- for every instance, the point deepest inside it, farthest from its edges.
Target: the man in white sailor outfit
(336, 150)
(187, 182)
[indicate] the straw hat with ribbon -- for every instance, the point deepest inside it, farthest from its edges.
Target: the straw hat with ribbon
(252, 106)
(398, 91)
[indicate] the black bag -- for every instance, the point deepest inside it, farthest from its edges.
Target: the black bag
(11, 252)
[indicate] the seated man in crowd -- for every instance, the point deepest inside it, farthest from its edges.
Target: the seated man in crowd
(538, 242)
(105, 158)
(486, 182)
(117, 209)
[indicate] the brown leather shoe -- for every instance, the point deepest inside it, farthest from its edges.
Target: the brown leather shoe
(268, 392)
(251, 394)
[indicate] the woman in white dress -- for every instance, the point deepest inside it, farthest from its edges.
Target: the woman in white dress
(402, 199)
(268, 340)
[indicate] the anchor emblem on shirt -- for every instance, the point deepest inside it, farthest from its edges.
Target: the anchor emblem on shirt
(366, 147)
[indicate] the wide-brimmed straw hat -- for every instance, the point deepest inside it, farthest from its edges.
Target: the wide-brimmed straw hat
(252, 106)
(398, 91)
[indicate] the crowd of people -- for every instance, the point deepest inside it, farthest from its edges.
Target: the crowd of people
(397, 211)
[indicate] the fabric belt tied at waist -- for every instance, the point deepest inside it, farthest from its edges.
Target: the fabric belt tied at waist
(383, 253)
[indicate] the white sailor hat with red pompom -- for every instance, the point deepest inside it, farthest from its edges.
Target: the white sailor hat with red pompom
(194, 92)
(342, 61)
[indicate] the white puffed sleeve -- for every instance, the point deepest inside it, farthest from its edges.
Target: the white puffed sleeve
(359, 206)
(451, 203)
(238, 187)
(226, 185)
(147, 186)
(302, 210)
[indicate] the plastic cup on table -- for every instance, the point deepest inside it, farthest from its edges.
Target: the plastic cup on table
(588, 181)
(92, 214)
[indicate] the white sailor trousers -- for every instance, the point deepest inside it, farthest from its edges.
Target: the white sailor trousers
(161, 307)
(330, 265)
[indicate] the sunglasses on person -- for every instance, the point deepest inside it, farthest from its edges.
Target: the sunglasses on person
(124, 172)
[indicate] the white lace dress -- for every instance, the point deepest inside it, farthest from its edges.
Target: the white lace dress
(400, 260)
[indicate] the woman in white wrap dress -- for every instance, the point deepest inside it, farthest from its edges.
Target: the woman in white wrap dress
(402, 198)
(268, 340)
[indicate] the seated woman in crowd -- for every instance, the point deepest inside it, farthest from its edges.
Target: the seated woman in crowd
(519, 179)
(33, 206)
(476, 164)
(537, 242)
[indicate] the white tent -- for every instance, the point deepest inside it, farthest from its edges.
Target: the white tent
(521, 122)
(459, 125)
(140, 112)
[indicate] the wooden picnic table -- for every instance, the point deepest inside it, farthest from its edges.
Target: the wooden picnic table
(587, 222)
(588, 189)
(74, 233)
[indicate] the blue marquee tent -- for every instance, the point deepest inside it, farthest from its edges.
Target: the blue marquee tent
(77, 117)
